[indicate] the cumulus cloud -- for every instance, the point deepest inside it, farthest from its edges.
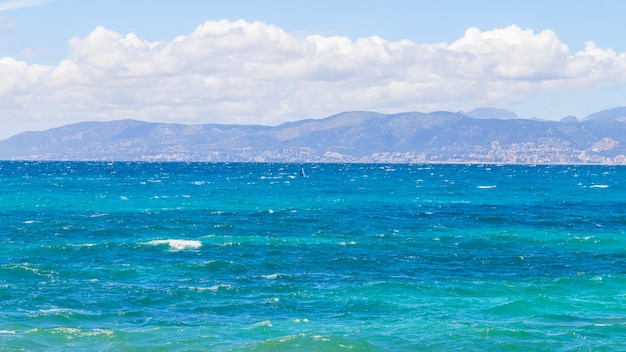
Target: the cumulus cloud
(253, 72)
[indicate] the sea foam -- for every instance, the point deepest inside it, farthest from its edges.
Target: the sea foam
(177, 245)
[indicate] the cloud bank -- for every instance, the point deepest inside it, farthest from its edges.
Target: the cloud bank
(253, 72)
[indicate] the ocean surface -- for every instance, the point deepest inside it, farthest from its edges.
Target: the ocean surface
(98, 256)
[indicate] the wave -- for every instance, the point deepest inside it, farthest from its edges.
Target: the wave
(177, 245)
(263, 323)
(65, 312)
(80, 332)
(207, 288)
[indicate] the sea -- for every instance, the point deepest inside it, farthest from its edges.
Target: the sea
(138, 256)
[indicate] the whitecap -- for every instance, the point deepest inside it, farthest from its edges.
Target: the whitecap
(599, 186)
(177, 245)
(486, 187)
(24, 266)
(86, 245)
(206, 288)
(66, 330)
(263, 323)
(55, 310)
(271, 276)
(62, 311)
(82, 333)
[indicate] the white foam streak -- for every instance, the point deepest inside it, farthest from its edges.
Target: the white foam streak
(263, 323)
(177, 245)
(206, 288)
(80, 332)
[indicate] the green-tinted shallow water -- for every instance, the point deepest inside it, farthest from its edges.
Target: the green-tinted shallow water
(253, 257)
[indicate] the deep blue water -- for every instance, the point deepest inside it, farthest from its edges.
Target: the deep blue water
(359, 257)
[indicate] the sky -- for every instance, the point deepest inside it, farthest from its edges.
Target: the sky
(269, 62)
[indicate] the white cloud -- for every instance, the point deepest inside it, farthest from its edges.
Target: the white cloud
(6, 26)
(242, 72)
(31, 52)
(18, 4)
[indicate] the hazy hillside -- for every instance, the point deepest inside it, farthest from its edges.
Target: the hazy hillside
(488, 135)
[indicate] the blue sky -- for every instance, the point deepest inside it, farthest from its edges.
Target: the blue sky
(268, 62)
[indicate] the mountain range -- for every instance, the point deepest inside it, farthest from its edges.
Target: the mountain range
(483, 135)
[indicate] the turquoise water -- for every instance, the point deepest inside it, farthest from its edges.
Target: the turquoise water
(355, 257)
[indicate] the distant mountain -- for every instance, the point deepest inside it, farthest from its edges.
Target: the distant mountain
(488, 136)
(569, 119)
(618, 114)
(492, 113)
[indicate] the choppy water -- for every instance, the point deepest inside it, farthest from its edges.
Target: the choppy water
(173, 257)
